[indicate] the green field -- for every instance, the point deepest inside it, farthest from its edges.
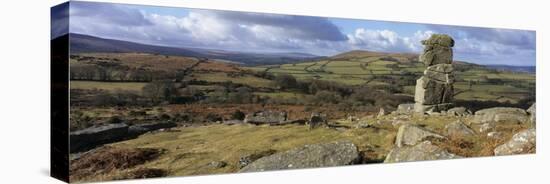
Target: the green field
(373, 70)
(109, 86)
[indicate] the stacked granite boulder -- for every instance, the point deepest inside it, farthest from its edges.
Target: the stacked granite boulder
(434, 90)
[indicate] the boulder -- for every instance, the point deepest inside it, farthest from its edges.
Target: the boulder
(521, 143)
(495, 135)
(362, 124)
(217, 164)
(436, 55)
(266, 117)
(317, 120)
(139, 129)
(440, 68)
(439, 77)
(249, 158)
(89, 138)
(486, 127)
(381, 113)
(532, 113)
(422, 151)
(439, 39)
(458, 129)
(398, 123)
(501, 115)
(413, 134)
(315, 155)
(420, 108)
(232, 122)
(405, 108)
(437, 50)
(432, 92)
(459, 111)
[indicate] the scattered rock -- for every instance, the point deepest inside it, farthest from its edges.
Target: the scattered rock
(142, 173)
(422, 151)
(397, 123)
(459, 111)
(266, 117)
(458, 129)
(532, 114)
(89, 138)
(139, 129)
(405, 108)
(413, 134)
(317, 120)
(217, 164)
(247, 159)
(381, 113)
(495, 135)
(423, 108)
(486, 127)
(362, 124)
(500, 115)
(352, 118)
(232, 122)
(315, 155)
(521, 143)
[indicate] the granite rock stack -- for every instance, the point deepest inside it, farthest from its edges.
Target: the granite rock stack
(434, 90)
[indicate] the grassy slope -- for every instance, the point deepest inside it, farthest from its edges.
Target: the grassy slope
(189, 150)
(109, 86)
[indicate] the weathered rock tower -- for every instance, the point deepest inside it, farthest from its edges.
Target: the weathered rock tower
(434, 90)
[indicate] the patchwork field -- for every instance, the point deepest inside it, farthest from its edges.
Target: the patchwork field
(474, 82)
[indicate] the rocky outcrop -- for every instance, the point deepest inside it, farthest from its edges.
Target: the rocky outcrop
(89, 138)
(495, 135)
(409, 135)
(315, 155)
(381, 113)
(458, 129)
(405, 108)
(459, 111)
(532, 113)
(487, 127)
(434, 90)
(521, 143)
(399, 122)
(501, 115)
(249, 158)
(317, 120)
(232, 122)
(139, 129)
(422, 151)
(217, 164)
(266, 117)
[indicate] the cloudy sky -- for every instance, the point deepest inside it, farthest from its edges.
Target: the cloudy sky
(254, 32)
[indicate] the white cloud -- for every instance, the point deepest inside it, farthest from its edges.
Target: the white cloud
(255, 32)
(386, 40)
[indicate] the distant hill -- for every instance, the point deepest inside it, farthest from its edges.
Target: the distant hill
(387, 56)
(87, 44)
(365, 53)
(522, 69)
